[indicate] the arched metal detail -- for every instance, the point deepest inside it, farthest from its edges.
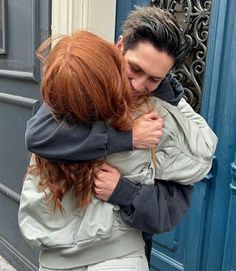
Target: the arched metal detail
(193, 16)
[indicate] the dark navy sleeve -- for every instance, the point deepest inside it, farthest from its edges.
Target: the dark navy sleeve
(67, 143)
(63, 142)
(152, 208)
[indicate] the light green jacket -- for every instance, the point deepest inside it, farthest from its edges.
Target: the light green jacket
(184, 153)
(97, 232)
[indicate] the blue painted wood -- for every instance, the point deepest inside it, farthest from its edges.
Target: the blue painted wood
(179, 249)
(222, 65)
(195, 226)
(214, 54)
(229, 260)
(123, 7)
(207, 233)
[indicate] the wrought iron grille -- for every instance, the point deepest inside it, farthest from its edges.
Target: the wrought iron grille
(193, 16)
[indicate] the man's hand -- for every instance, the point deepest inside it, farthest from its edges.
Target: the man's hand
(147, 131)
(106, 179)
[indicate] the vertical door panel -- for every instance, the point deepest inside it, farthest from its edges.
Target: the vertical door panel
(197, 243)
(28, 23)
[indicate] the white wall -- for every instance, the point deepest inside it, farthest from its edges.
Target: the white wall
(97, 16)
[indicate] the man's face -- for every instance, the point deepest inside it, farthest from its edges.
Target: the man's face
(146, 67)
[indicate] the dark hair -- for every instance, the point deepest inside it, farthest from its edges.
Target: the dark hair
(158, 27)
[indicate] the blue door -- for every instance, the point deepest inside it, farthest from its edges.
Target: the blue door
(205, 240)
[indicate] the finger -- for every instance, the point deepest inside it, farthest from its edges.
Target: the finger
(95, 169)
(152, 115)
(100, 175)
(96, 182)
(99, 186)
(106, 167)
(161, 121)
(98, 192)
(157, 124)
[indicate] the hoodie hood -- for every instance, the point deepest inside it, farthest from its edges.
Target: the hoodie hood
(170, 90)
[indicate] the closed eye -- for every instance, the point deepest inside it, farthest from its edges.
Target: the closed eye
(156, 80)
(135, 69)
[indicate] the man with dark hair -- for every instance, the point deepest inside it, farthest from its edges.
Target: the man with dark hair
(159, 28)
(152, 44)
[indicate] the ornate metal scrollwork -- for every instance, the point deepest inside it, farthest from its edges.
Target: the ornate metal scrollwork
(193, 16)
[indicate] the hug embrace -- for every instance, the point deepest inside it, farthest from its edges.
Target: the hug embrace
(116, 148)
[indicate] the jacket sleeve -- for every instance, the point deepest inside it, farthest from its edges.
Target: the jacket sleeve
(31, 215)
(63, 142)
(186, 149)
(152, 208)
(40, 224)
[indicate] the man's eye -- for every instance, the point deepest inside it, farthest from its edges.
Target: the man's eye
(134, 69)
(156, 80)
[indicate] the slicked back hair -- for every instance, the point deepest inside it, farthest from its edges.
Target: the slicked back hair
(159, 27)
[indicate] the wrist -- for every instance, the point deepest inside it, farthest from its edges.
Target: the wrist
(124, 193)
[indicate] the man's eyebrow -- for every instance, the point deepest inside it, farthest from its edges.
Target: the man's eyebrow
(158, 77)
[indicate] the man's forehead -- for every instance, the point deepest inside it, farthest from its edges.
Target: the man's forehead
(153, 62)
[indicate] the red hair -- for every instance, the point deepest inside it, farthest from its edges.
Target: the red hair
(84, 80)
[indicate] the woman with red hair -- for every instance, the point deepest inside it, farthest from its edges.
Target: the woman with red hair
(84, 80)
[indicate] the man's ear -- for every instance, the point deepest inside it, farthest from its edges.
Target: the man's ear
(119, 44)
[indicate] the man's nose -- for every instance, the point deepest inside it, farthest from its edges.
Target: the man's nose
(138, 84)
